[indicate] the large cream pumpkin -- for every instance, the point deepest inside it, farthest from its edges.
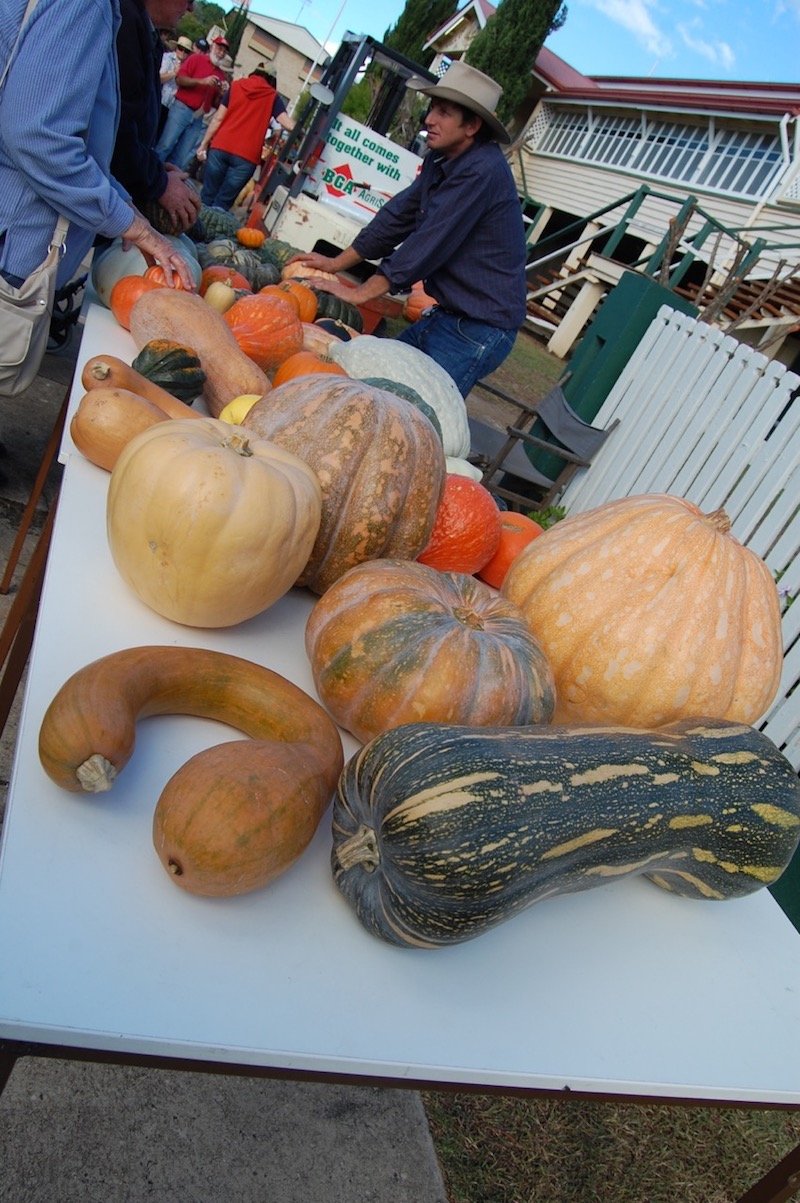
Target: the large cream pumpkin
(208, 524)
(650, 611)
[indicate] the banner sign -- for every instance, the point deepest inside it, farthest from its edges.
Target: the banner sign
(361, 167)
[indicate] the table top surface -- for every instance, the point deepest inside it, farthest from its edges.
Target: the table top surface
(623, 989)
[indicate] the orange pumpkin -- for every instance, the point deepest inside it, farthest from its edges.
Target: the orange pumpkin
(378, 460)
(250, 236)
(266, 328)
(516, 532)
(126, 293)
(157, 273)
(466, 533)
(305, 363)
(394, 642)
(416, 304)
(217, 272)
(306, 298)
(651, 612)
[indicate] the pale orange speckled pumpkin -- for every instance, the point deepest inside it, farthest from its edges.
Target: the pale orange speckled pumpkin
(378, 460)
(650, 611)
(395, 642)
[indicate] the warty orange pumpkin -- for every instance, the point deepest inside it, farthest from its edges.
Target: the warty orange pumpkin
(208, 524)
(650, 611)
(378, 460)
(395, 642)
(266, 327)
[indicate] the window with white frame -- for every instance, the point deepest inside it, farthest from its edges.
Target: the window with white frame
(735, 161)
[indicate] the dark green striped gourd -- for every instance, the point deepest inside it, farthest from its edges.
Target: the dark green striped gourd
(442, 832)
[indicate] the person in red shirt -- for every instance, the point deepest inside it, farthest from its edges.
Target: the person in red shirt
(201, 82)
(234, 140)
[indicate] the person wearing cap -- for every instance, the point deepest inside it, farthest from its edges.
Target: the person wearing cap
(171, 63)
(201, 82)
(234, 140)
(458, 228)
(135, 162)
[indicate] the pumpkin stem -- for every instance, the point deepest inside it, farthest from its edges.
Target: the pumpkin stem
(360, 849)
(719, 520)
(239, 443)
(96, 774)
(469, 617)
(100, 371)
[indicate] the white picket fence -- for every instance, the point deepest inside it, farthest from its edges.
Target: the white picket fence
(706, 418)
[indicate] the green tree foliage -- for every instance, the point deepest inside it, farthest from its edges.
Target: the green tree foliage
(197, 23)
(507, 47)
(415, 25)
(234, 28)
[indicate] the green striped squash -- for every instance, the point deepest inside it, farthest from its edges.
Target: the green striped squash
(439, 833)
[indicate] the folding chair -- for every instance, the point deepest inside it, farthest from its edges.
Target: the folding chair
(550, 426)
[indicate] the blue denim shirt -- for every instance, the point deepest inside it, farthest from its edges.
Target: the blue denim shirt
(59, 109)
(459, 229)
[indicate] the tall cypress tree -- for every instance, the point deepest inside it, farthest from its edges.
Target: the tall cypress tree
(507, 46)
(415, 25)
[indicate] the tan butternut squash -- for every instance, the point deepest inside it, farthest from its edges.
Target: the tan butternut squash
(185, 317)
(107, 371)
(107, 419)
(235, 815)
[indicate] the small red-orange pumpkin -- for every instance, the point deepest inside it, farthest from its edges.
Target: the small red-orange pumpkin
(393, 642)
(305, 363)
(126, 293)
(267, 328)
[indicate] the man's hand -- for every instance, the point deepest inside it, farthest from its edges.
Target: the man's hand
(317, 262)
(180, 200)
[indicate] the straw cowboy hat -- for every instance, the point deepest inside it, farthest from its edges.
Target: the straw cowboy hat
(184, 43)
(475, 91)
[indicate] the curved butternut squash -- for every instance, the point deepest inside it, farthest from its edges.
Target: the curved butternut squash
(107, 371)
(107, 419)
(235, 815)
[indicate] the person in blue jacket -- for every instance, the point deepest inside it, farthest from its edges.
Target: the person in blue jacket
(458, 229)
(59, 109)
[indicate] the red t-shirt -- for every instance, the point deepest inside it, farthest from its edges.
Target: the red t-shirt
(251, 102)
(198, 66)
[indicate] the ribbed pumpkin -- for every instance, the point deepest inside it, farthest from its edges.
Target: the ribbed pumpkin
(377, 459)
(394, 642)
(650, 611)
(305, 363)
(222, 273)
(207, 524)
(266, 328)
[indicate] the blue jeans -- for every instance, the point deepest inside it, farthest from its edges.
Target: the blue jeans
(181, 135)
(467, 349)
(224, 177)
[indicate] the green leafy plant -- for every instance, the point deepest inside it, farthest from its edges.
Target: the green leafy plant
(549, 516)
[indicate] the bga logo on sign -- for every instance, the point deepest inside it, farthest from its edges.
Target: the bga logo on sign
(338, 180)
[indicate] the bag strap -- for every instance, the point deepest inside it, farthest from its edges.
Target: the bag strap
(29, 7)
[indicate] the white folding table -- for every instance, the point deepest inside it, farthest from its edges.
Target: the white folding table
(624, 990)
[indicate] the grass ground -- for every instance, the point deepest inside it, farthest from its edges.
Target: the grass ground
(495, 1149)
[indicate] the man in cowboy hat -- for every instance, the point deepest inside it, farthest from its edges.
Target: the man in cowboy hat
(458, 228)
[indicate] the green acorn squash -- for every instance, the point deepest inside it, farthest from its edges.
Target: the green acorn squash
(334, 307)
(172, 366)
(439, 832)
(217, 223)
